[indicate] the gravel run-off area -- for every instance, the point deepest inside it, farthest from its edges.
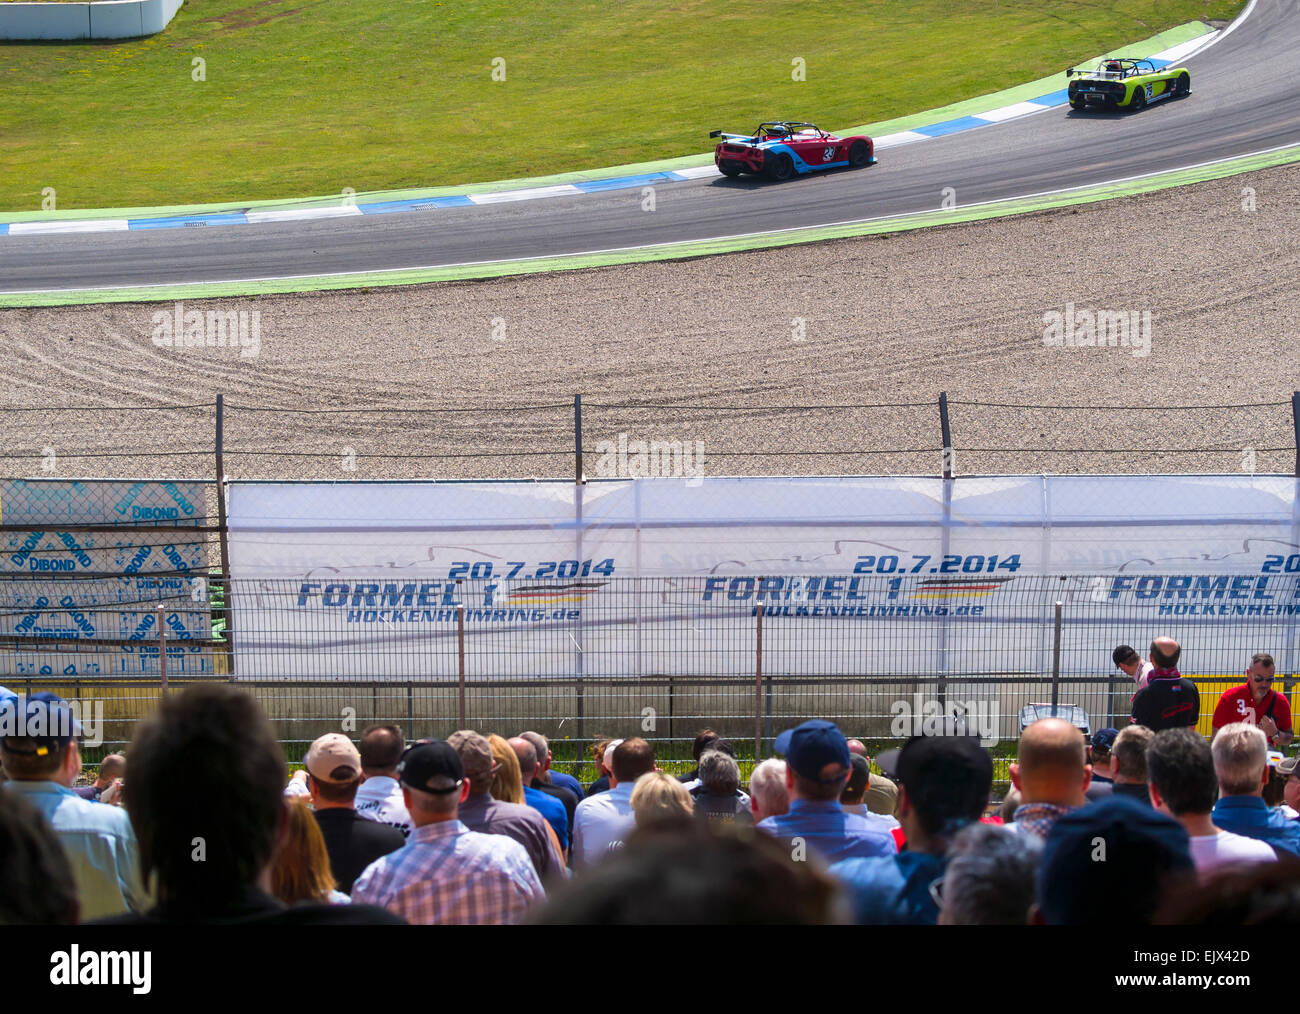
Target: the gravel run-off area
(735, 351)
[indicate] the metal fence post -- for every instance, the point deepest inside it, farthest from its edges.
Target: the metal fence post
(1056, 658)
(758, 683)
(1295, 428)
(945, 428)
(945, 538)
(162, 654)
(227, 590)
(460, 666)
(577, 438)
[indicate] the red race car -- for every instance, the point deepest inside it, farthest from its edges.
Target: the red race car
(782, 150)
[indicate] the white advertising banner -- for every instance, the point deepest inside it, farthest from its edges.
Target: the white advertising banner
(363, 579)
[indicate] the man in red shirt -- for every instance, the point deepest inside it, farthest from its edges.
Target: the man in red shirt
(1258, 703)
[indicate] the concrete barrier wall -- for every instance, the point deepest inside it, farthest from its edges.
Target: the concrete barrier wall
(105, 19)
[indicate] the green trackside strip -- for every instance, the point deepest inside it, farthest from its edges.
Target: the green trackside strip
(969, 107)
(675, 251)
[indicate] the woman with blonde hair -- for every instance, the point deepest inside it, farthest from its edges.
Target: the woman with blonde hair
(508, 780)
(660, 801)
(301, 871)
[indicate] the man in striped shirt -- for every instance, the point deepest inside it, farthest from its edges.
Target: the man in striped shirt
(447, 874)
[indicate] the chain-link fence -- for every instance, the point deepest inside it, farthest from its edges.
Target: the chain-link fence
(662, 657)
(570, 436)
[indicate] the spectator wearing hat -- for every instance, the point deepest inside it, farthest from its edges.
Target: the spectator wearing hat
(333, 777)
(379, 797)
(1109, 864)
(556, 784)
(853, 798)
(1051, 773)
(882, 795)
(40, 753)
(1132, 665)
(944, 785)
(1241, 764)
(768, 796)
(1128, 764)
(447, 874)
(817, 767)
(1182, 784)
(718, 799)
(603, 821)
(1099, 757)
(211, 844)
(479, 811)
(111, 768)
(1256, 701)
(1169, 700)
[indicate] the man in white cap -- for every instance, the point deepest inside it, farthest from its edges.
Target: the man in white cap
(333, 776)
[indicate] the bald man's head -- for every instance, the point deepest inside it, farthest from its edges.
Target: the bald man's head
(1165, 652)
(1052, 764)
(527, 754)
(856, 746)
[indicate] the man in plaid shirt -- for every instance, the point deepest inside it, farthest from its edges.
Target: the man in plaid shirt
(447, 874)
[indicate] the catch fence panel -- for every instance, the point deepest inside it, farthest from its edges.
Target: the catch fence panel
(663, 657)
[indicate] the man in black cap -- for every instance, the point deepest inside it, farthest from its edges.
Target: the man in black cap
(38, 746)
(1102, 785)
(447, 874)
(1109, 864)
(1131, 664)
(944, 784)
(817, 768)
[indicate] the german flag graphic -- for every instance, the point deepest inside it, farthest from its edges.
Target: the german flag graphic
(958, 587)
(555, 594)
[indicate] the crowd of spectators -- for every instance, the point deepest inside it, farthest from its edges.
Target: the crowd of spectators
(1132, 826)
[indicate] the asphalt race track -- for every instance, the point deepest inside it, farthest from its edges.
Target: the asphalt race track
(1245, 99)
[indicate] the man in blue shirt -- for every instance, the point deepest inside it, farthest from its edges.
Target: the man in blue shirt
(817, 768)
(38, 745)
(548, 806)
(556, 784)
(1241, 764)
(944, 784)
(544, 769)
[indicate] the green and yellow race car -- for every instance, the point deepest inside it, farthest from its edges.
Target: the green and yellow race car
(1123, 83)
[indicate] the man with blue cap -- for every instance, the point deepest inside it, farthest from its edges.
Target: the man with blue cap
(38, 747)
(818, 765)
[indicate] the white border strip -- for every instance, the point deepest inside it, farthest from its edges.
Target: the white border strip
(87, 225)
